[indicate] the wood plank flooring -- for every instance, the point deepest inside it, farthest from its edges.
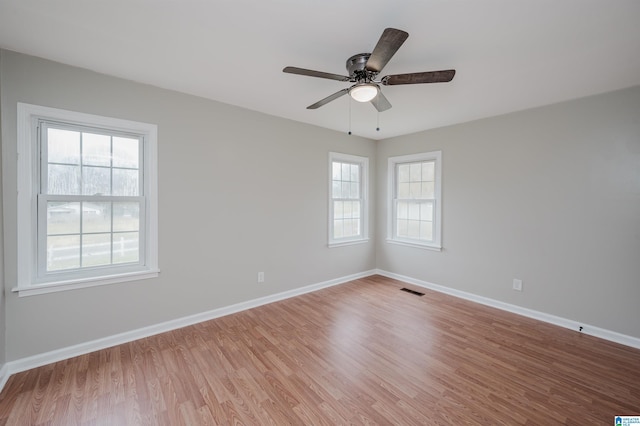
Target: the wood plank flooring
(359, 353)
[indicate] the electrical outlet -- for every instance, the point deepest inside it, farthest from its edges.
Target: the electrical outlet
(260, 277)
(517, 284)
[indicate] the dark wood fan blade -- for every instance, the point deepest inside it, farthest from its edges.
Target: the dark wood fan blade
(312, 73)
(389, 43)
(328, 99)
(381, 102)
(419, 77)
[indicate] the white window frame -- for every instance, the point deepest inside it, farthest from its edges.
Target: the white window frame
(392, 237)
(30, 282)
(363, 162)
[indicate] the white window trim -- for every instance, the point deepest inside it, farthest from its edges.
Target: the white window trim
(364, 214)
(391, 171)
(28, 115)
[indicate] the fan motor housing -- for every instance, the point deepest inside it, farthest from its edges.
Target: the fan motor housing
(356, 64)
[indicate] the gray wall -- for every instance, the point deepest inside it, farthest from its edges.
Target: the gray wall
(239, 192)
(550, 196)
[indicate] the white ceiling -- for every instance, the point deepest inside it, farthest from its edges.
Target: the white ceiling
(509, 54)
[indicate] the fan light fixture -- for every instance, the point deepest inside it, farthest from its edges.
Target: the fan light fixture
(364, 92)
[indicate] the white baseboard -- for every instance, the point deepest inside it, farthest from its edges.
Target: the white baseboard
(4, 376)
(38, 360)
(530, 313)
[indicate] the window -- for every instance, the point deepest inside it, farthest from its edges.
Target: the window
(414, 200)
(87, 200)
(347, 199)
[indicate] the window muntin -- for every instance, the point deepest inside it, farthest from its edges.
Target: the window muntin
(347, 198)
(414, 189)
(87, 200)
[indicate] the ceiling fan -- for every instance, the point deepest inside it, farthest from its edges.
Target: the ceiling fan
(363, 69)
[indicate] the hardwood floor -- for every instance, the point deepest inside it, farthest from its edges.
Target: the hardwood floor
(359, 353)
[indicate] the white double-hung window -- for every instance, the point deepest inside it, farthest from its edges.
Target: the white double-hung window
(87, 200)
(415, 188)
(347, 199)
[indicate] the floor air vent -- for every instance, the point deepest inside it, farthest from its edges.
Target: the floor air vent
(408, 290)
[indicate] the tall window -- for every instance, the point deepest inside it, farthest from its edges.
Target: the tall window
(347, 199)
(90, 197)
(92, 202)
(414, 204)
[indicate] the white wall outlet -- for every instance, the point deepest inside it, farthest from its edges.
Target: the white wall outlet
(260, 277)
(517, 284)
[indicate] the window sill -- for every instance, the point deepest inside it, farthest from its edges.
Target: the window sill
(416, 245)
(347, 243)
(55, 287)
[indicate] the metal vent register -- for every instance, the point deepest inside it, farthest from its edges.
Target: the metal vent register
(408, 290)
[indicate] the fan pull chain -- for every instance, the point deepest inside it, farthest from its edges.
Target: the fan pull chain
(378, 123)
(349, 115)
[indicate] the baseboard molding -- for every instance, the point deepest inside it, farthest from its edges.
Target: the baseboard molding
(4, 376)
(530, 313)
(34, 361)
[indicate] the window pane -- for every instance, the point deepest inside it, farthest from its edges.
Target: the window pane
(413, 229)
(355, 209)
(414, 211)
(125, 182)
(63, 180)
(63, 218)
(416, 172)
(96, 217)
(337, 228)
(96, 250)
(126, 247)
(96, 181)
(426, 211)
(351, 228)
(63, 252)
(126, 216)
(403, 190)
(355, 190)
(402, 210)
(336, 170)
(337, 189)
(63, 146)
(346, 172)
(338, 209)
(402, 227)
(347, 209)
(403, 172)
(428, 171)
(126, 152)
(355, 173)
(428, 190)
(96, 149)
(415, 190)
(346, 190)
(346, 230)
